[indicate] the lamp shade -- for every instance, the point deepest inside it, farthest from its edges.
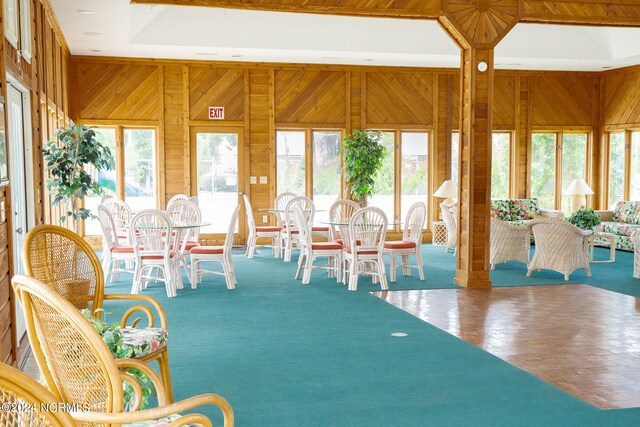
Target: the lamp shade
(578, 187)
(448, 190)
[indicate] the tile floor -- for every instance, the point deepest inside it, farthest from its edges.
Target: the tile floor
(582, 339)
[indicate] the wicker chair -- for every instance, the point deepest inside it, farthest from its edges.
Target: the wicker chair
(560, 246)
(185, 212)
(509, 242)
(176, 198)
(65, 261)
(78, 367)
(256, 233)
(450, 217)
(290, 233)
(342, 210)
(114, 253)
(635, 239)
(18, 390)
(121, 214)
(410, 243)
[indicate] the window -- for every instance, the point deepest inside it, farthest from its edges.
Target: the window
(290, 149)
(543, 168)
(308, 164)
(552, 173)
(216, 177)
(134, 178)
(635, 166)
(616, 168)
(500, 165)
(411, 154)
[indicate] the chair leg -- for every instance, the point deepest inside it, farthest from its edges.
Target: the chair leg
(406, 270)
(353, 274)
(165, 374)
(306, 278)
(194, 272)
(382, 273)
(529, 272)
(251, 246)
(300, 261)
(392, 267)
(419, 263)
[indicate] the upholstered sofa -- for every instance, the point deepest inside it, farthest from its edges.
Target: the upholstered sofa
(520, 210)
(622, 222)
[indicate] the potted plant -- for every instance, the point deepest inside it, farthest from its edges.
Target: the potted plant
(363, 155)
(67, 156)
(584, 218)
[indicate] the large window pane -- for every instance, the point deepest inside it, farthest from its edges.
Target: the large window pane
(415, 166)
(635, 166)
(455, 156)
(106, 136)
(383, 181)
(616, 168)
(543, 167)
(290, 162)
(500, 171)
(574, 162)
(217, 178)
(326, 171)
(139, 168)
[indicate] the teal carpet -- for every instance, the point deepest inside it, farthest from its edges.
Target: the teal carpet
(284, 354)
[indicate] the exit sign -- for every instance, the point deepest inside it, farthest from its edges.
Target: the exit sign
(216, 113)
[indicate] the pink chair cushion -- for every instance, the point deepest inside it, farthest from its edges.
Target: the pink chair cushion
(400, 244)
(371, 252)
(319, 228)
(207, 250)
(326, 246)
(267, 229)
(122, 250)
(171, 255)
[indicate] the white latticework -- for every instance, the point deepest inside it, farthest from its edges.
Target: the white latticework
(635, 239)
(509, 242)
(560, 246)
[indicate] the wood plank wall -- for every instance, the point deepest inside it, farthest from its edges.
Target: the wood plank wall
(263, 97)
(46, 80)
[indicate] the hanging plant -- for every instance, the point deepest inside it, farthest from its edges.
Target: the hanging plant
(363, 155)
(68, 155)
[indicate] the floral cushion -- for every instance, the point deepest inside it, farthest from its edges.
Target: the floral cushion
(138, 342)
(524, 209)
(162, 422)
(627, 212)
(617, 228)
(501, 209)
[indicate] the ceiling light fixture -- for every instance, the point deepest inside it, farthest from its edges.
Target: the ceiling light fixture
(87, 12)
(96, 50)
(237, 55)
(206, 53)
(92, 34)
(369, 60)
(607, 67)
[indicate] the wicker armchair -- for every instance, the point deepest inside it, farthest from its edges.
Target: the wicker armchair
(560, 246)
(78, 368)
(635, 239)
(65, 261)
(18, 390)
(450, 217)
(509, 242)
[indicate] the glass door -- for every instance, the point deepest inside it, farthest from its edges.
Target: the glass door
(216, 171)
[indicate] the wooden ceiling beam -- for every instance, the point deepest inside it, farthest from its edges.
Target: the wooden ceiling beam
(614, 13)
(409, 9)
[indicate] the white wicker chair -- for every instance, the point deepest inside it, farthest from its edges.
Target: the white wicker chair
(509, 242)
(410, 243)
(635, 239)
(450, 217)
(560, 246)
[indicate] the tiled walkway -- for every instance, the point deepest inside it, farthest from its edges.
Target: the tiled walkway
(582, 339)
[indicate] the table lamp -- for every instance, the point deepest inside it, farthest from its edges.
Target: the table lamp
(578, 189)
(448, 190)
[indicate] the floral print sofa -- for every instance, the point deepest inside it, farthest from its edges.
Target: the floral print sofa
(520, 210)
(622, 221)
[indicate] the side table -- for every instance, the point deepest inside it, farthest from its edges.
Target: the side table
(610, 238)
(438, 233)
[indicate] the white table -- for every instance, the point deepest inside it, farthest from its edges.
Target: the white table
(438, 233)
(611, 238)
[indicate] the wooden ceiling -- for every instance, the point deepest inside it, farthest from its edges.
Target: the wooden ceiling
(582, 12)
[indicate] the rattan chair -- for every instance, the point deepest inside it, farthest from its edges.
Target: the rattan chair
(560, 246)
(342, 210)
(635, 239)
(65, 261)
(115, 255)
(410, 243)
(509, 242)
(176, 198)
(309, 250)
(121, 214)
(24, 402)
(256, 233)
(185, 212)
(289, 232)
(367, 230)
(221, 254)
(78, 367)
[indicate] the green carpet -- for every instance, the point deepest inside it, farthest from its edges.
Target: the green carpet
(284, 354)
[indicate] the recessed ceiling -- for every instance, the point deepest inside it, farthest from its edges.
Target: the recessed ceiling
(200, 33)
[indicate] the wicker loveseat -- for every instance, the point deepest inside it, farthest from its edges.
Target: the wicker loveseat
(622, 222)
(520, 211)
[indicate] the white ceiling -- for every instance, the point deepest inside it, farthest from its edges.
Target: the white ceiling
(183, 32)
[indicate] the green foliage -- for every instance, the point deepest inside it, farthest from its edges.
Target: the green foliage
(584, 218)
(69, 157)
(112, 337)
(363, 158)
